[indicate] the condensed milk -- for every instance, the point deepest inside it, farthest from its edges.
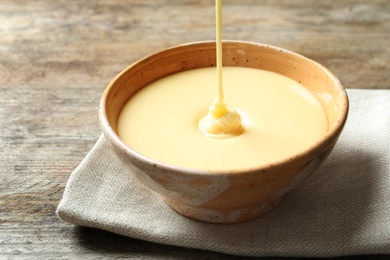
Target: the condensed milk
(161, 120)
(270, 117)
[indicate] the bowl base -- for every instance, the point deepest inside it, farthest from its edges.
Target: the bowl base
(224, 216)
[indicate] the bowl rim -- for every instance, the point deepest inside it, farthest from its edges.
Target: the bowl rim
(317, 147)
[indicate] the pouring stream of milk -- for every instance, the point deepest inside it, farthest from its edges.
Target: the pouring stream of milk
(221, 121)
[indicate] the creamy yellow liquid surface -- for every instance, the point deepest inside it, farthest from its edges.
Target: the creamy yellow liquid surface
(161, 120)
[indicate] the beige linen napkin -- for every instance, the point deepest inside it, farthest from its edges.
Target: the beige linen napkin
(343, 209)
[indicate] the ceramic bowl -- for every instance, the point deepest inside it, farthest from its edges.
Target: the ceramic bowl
(224, 197)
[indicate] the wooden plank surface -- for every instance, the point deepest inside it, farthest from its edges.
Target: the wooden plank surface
(56, 58)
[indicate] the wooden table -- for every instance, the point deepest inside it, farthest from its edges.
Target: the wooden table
(56, 58)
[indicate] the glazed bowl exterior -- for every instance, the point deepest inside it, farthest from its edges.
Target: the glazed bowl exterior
(226, 196)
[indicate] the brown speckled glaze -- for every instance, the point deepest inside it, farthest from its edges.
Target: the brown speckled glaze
(228, 196)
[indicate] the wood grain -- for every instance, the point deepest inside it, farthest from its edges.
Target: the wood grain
(56, 57)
